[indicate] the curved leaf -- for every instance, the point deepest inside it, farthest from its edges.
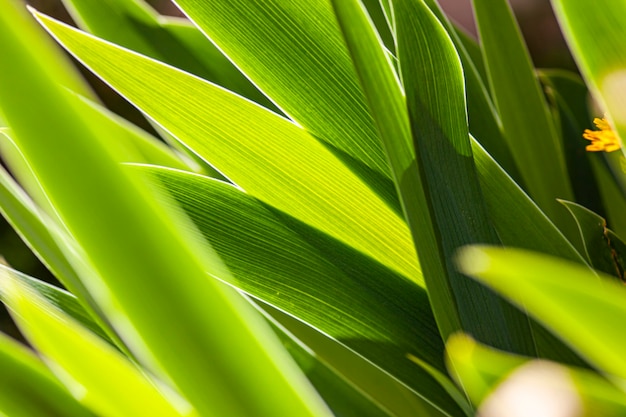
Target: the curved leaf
(577, 305)
(444, 166)
(604, 249)
(484, 121)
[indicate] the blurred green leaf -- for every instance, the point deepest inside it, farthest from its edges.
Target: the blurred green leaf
(22, 214)
(136, 246)
(91, 369)
(269, 157)
(451, 212)
(596, 34)
(553, 292)
(57, 297)
(141, 146)
(488, 372)
(528, 126)
(28, 389)
(331, 384)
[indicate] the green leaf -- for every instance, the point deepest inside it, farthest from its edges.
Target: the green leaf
(392, 394)
(56, 297)
(604, 250)
(135, 25)
(448, 183)
(376, 10)
(334, 387)
(22, 214)
(596, 35)
(307, 274)
(486, 372)
(96, 374)
(517, 219)
(575, 304)
(528, 126)
(293, 51)
(135, 246)
(343, 397)
(254, 148)
(383, 94)
(570, 98)
(28, 389)
(484, 122)
(140, 146)
(42, 235)
(469, 50)
(23, 173)
(612, 196)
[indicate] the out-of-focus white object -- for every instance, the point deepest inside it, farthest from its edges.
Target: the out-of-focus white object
(536, 389)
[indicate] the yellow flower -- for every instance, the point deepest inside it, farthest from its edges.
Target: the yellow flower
(604, 139)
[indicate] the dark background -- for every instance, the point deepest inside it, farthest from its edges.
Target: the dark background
(536, 19)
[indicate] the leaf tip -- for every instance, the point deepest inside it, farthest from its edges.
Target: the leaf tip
(472, 260)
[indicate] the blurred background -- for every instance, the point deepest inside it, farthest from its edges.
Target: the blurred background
(539, 27)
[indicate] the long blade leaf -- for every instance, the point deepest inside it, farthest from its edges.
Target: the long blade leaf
(136, 247)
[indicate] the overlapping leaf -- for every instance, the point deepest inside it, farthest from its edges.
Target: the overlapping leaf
(528, 126)
(136, 247)
(90, 368)
(269, 157)
(444, 166)
(493, 377)
(293, 51)
(596, 34)
(553, 291)
(321, 281)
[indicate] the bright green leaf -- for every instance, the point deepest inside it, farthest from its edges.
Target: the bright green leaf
(136, 246)
(135, 25)
(293, 51)
(91, 369)
(259, 151)
(28, 389)
(577, 305)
